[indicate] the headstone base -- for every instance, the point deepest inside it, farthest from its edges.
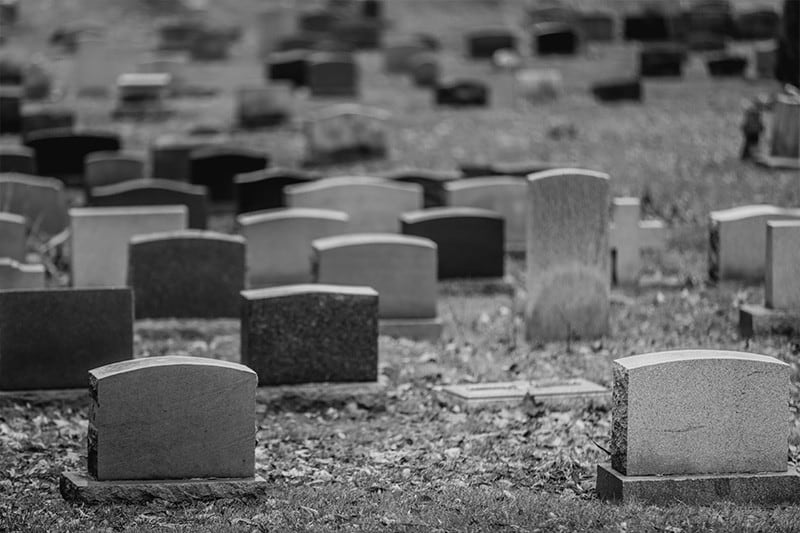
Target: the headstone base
(80, 488)
(755, 320)
(478, 286)
(513, 392)
(765, 488)
(417, 329)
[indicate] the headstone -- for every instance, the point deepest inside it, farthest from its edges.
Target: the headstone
(9, 12)
(597, 26)
(264, 189)
(260, 107)
(212, 44)
(346, 133)
(142, 95)
(149, 192)
(186, 274)
(425, 69)
(41, 201)
(179, 34)
(785, 138)
(629, 237)
(290, 66)
(10, 109)
(757, 23)
(398, 55)
(155, 434)
(317, 20)
(372, 9)
(538, 85)
(81, 329)
(36, 116)
(61, 153)
(724, 437)
(373, 205)
(765, 58)
(432, 182)
(726, 64)
(709, 21)
(170, 154)
(17, 159)
(788, 67)
(555, 38)
(567, 255)
(469, 241)
(504, 195)
(279, 242)
(216, 166)
(16, 275)
(462, 93)
(272, 23)
(174, 65)
(13, 236)
(108, 168)
(336, 341)
(482, 44)
(401, 268)
(660, 60)
(100, 237)
(737, 240)
(647, 26)
(619, 90)
(358, 34)
(333, 75)
(299, 42)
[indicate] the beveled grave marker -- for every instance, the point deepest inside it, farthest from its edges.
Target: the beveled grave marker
(333, 75)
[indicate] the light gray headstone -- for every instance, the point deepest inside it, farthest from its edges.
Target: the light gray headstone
(782, 280)
(13, 236)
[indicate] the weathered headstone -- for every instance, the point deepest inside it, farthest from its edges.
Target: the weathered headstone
(13, 236)
(186, 274)
(61, 153)
(432, 182)
(41, 201)
(401, 268)
(259, 107)
(148, 192)
(629, 237)
(373, 205)
(757, 23)
(333, 75)
(619, 89)
(785, 138)
(346, 133)
(549, 391)
(264, 189)
(336, 340)
(142, 95)
(662, 60)
(279, 242)
(156, 433)
(290, 66)
(723, 437)
(567, 255)
(10, 109)
(16, 275)
(482, 44)
(462, 93)
(597, 25)
(469, 241)
(738, 240)
(552, 38)
(100, 237)
(52, 337)
(17, 159)
(216, 166)
(108, 168)
(726, 64)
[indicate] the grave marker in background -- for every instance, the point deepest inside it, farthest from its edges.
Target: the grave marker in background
(17, 159)
(264, 189)
(13, 236)
(41, 201)
(16, 275)
(108, 168)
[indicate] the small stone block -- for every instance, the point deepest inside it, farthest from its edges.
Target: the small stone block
(417, 329)
(756, 320)
(762, 488)
(515, 391)
(81, 488)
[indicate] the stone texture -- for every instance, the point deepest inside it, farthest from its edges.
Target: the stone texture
(52, 337)
(108, 168)
(568, 276)
(187, 274)
(13, 236)
(432, 182)
(738, 240)
(173, 417)
(41, 201)
(726, 64)
(264, 189)
(11, 109)
(469, 241)
(62, 152)
(401, 268)
(150, 192)
(17, 159)
(37, 116)
(782, 280)
(629, 237)
(346, 133)
(16, 275)
(310, 333)
(216, 166)
(730, 416)
(504, 195)
(334, 75)
(373, 205)
(554, 390)
(279, 242)
(100, 237)
(647, 26)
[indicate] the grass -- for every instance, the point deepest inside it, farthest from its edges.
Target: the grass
(408, 460)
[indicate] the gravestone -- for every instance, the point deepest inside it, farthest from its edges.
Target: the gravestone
(52, 337)
(154, 434)
(36, 116)
(346, 133)
(619, 90)
(10, 109)
(310, 334)
(737, 240)
(724, 437)
(316, 20)
(503, 195)
(264, 189)
(149, 192)
(482, 44)
(373, 205)
(469, 241)
(108, 168)
(17, 159)
(279, 242)
(781, 310)
(765, 58)
(212, 44)
(555, 38)
(170, 154)
(41, 201)
(61, 153)
(538, 84)
(567, 255)
(597, 26)
(359, 34)
(216, 166)
(174, 65)
(142, 95)
(13, 236)
(725, 64)
(647, 26)
(709, 22)
(272, 24)
(662, 60)
(402, 269)
(186, 274)
(398, 55)
(432, 182)
(16, 275)
(629, 237)
(260, 107)
(333, 75)
(100, 237)
(290, 66)
(299, 42)
(785, 137)
(425, 69)
(462, 93)
(178, 35)
(757, 23)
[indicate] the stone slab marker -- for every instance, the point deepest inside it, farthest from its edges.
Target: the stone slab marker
(50, 338)
(174, 428)
(13, 236)
(699, 426)
(310, 334)
(629, 236)
(42, 201)
(567, 255)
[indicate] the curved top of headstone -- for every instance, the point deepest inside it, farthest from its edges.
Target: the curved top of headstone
(106, 155)
(411, 173)
(562, 172)
(350, 181)
(14, 149)
(128, 210)
(678, 356)
(750, 211)
(439, 213)
(7, 262)
(271, 215)
(135, 365)
(226, 150)
(59, 133)
(12, 217)
(366, 239)
(308, 288)
(275, 173)
(186, 234)
(524, 168)
(148, 183)
(482, 182)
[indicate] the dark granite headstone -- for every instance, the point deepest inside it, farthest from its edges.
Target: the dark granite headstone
(463, 93)
(17, 159)
(662, 60)
(291, 66)
(154, 192)
(616, 90)
(51, 338)
(470, 241)
(42, 201)
(297, 42)
(432, 182)
(482, 44)
(169, 154)
(61, 153)
(310, 334)
(186, 274)
(211, 44)
(333, 75)
(757, 24)
(649, 26)
(259, 190)
(37, 117)
(555, 38)
(788, 57)
(12, 72)
(10, 109)
(709, 19)
(726, 65)
(216, 166)
(425, 69)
